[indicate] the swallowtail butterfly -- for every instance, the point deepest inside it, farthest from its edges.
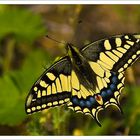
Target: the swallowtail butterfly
(86, 80)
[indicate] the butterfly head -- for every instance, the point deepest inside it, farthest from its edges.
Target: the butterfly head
(74, 54)
(70, 49)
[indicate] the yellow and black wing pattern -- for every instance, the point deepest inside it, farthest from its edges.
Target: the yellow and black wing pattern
(86, 80)
(52, 88)
(108, 58)
(115, 53)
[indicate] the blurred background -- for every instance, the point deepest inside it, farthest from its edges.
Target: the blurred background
(25, 53)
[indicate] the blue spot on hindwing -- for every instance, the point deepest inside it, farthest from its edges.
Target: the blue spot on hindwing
(88, 104)
(75, 100)
(109, 92)
(113, 87)
(106, 93)
(103, 94)
(82, 103)
(92, 100)
(114, 79)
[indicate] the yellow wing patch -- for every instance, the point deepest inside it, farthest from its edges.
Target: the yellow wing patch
(107, 45)
(115, 49)
(52, 89)
(77, 88)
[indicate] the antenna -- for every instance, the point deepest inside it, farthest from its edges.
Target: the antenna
(80, 21)
(55, 40)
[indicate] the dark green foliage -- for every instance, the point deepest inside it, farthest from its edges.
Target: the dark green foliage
(132, 110)
(19, 27)
(15, 87)
(22, 24)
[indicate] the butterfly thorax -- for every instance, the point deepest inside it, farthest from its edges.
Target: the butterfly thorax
(82, 68)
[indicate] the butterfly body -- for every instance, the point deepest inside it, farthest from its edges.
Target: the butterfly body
(81, 68)
(86, 80)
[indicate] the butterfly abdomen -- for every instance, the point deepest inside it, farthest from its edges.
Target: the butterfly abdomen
(82, 69)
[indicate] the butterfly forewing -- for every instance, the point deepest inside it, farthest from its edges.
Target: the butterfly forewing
(52, 89)
(115, 53)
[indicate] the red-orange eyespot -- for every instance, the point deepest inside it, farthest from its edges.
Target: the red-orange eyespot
(99, 99)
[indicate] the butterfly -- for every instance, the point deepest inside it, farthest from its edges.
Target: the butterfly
(87, 80)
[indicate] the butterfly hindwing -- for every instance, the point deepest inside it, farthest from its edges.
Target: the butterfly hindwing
(92, 102)
(52, 88)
